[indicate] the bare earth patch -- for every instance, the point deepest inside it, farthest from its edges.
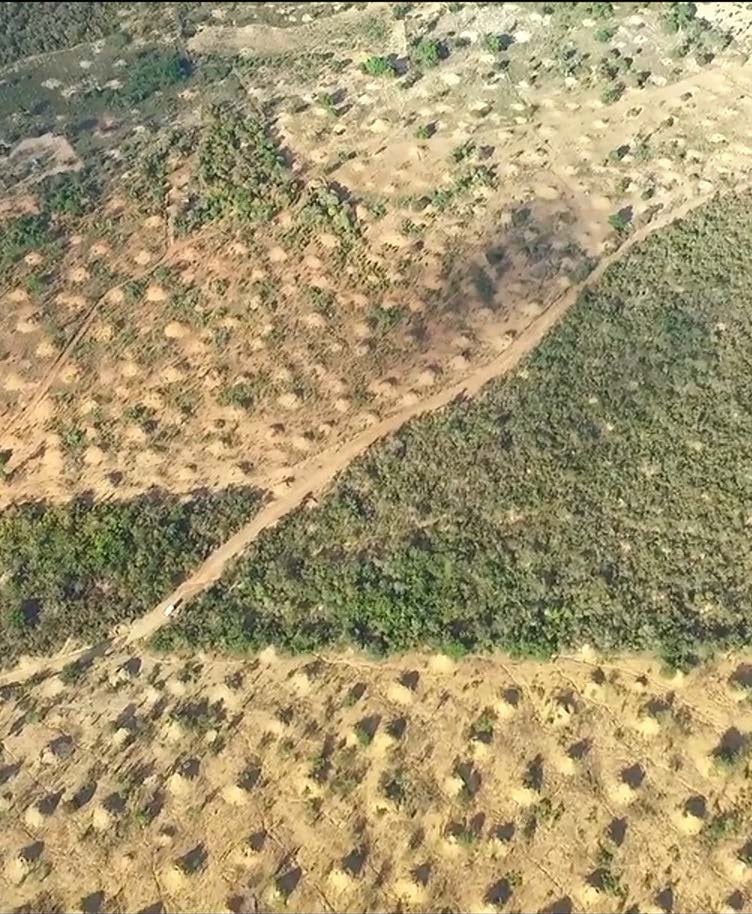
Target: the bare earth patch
(470, 786)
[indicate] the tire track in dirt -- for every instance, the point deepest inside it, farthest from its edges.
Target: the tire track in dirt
(312, 477)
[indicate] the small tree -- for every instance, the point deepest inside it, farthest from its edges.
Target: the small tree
(497, 43)
(679, 16)
(400, 10)
(619, 222)
(604, 34)
(428, 53)
(612, 93)
(327, 103)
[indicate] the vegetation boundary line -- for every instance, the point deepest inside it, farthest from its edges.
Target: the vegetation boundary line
(311, 477)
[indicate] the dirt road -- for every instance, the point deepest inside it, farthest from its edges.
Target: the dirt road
(313, 476)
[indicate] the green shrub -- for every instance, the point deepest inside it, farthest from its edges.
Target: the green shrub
(75, 570)
(497, 43)
(619, 222)
(244, 394)
(427, 53)
(68, 195)
(22, 234)
(463, 152)
(327, 103)
(322, 205)
(378, 66)
(679, 16)
(612, 93)
(18, 619)
(241, 173)
(617, 154)
(147, 184)
(149, 73)
(72, 673)
(721, 827)
(472, 179)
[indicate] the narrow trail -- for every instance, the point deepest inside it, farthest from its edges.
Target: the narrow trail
(314, 475)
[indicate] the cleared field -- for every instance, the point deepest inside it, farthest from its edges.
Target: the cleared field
(330, 783)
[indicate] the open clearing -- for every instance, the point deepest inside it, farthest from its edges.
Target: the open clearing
(331, 783)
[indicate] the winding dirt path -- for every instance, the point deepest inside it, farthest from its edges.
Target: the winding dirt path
(313, 476)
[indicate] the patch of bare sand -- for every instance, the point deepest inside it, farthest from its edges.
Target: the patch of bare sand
(155, 293)
(446, 821)
(78, 275)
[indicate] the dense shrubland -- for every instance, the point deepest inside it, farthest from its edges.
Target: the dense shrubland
(75, 570)
(600, 494)
(240, 172)
(35, 28)
(152, 71)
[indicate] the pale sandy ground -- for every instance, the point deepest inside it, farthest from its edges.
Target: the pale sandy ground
(337, 783)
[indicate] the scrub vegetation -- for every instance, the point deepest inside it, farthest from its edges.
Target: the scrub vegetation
(598, 495)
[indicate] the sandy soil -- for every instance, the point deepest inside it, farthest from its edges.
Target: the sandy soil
(336, 783)
(49, 154)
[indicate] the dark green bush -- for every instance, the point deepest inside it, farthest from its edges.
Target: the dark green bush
(69, 195)
(428, 53)
(400, 10)
(613, 93)
(22, 234)
(76, 570)
(151, 72)
(679, 16)
(378, 66)
(241, 172)
(36, 28)
(619, 222)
